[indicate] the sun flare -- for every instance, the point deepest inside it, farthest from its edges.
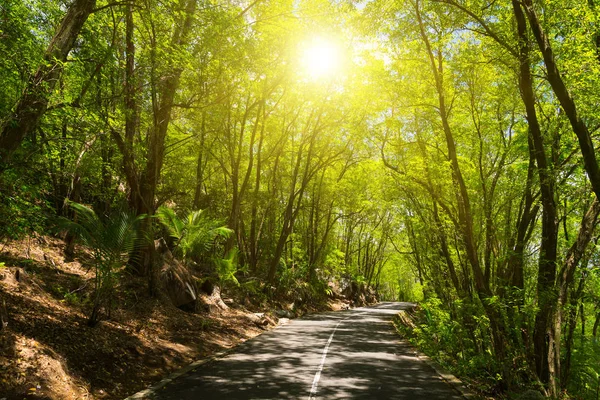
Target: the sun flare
(321, 58)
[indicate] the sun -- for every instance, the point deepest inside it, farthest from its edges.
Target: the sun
(321, 58)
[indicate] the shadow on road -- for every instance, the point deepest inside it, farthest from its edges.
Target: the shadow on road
(365, 361)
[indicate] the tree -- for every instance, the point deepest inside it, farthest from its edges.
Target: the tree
(34, 100)
(111, 240)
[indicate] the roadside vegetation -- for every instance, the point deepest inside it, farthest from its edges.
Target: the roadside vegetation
(172, 165)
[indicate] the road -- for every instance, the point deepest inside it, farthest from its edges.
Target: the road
(353, 354)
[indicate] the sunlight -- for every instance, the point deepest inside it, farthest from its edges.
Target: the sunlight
(321, 58)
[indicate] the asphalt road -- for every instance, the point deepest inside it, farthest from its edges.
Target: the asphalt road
(353, 354)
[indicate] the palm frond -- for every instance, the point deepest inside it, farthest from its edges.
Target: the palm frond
(228, 266)
(112, 240)
(195, 234)
(172, 222)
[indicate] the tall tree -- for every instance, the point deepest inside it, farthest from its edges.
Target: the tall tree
(34, 100)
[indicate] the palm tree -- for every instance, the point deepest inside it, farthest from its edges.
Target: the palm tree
(193, 235)
(111, 240)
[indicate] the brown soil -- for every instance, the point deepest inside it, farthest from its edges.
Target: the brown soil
(47, 350)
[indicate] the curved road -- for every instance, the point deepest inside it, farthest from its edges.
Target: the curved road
(353, 354)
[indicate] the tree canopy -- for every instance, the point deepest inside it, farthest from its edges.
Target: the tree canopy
(442, 151)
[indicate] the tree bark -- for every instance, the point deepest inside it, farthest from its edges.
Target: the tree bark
(199, 190)
(143, 185)
(34, 100)
(564, 97)
(571, 324)
(465, 217)
(545, 344)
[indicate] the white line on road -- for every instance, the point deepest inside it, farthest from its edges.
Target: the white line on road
(315, 384)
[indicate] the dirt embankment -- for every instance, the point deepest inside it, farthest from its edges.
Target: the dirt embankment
(48, 351)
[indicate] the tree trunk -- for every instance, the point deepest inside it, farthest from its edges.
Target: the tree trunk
(546, 345)
(497, 323)
(571, 324)
(564, 97)
(199, 190)
(292, 209)
(34, 101)
(143, 186)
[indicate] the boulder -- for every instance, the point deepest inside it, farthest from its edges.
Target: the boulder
(335, 290)
(284, 314)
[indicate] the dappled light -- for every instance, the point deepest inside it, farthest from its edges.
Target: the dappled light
(180, 176)
(366, 360)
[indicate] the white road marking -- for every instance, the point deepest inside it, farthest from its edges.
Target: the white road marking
(315, 384)
(313, 390)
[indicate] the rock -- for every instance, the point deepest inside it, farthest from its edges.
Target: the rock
(284, 314)
(335, 290)
(359, 294)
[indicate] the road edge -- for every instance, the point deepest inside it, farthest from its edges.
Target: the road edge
(142, 394)
(449, 378)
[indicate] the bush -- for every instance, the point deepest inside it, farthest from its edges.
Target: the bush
(442, 336)
(23, 206)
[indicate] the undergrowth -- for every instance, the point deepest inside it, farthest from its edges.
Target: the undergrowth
(442, 337)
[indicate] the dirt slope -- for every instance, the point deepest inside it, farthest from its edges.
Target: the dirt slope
(47, 351)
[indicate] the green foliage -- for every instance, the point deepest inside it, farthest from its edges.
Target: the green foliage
(359, 279)
(23, 206)
(334, 264)
(344, 177)
(194, 235)
(70, 297)
(585, 375)
(442, 336)
(112, 241)
(254, 289)
(227, 267)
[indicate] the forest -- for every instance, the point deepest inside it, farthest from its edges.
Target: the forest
(433, 151)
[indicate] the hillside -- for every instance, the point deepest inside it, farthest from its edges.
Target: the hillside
(48, 351)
